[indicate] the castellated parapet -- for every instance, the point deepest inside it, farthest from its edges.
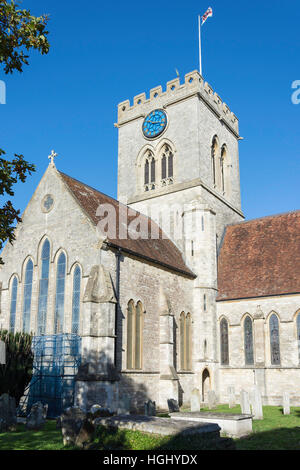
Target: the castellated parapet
(193, 84)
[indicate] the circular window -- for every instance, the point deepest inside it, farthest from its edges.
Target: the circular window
(47, 203)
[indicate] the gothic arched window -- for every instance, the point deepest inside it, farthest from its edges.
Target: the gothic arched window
(27, 294)
(167, 165)
(43, 289)
(60, 294)
(214, 151)
(138, 335)
(76, 300)
(13, 305)
(146, 176)
(185, 341)
(153, 170)
(149, 172)
(298, 333)
(188, 342)
(274, 340)
(248, 341)
(222, 163)
(224, 342)
(134, 335)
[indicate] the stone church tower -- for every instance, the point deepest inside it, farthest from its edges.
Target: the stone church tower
(179, 163)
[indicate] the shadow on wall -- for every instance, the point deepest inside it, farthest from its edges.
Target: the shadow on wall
(98, 381)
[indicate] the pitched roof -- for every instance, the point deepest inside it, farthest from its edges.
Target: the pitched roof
(260, 258)
(161, 251)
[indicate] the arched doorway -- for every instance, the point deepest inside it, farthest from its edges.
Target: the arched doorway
(205, 384)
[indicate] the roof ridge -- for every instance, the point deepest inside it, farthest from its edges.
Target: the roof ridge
(100, 192)
(264, 217)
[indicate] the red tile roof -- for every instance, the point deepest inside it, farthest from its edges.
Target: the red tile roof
(260, 258)
(161, 251)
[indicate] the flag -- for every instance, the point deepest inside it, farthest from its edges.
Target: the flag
(207, 14)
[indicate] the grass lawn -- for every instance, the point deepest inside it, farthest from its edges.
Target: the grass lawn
(274, 432)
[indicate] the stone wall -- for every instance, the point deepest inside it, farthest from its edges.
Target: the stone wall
(273, 380)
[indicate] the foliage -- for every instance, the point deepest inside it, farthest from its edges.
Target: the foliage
(15, 375)
(10, 173)
(20, 32)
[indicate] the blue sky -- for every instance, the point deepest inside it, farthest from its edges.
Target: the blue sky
(105, 52)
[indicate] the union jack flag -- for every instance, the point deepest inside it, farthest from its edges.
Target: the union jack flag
(207, 14)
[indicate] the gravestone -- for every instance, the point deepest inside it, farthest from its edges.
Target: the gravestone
(257, 409)
(231, 397)
(71, 422)
(150, 408)
(212, 399)
(195, 400)
(98, 411)
(286, 403)
(173, 406)
(124, 405)
(245, 403)
(86, 434)
(8, 413)
(2, 353)
(37, 416)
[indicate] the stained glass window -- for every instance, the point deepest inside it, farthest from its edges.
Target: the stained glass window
(60, 294)
(224, 342)
(274, 340)
(27, 294)
(76, 300)
(248, 341)
(43, 289)
(13, 305)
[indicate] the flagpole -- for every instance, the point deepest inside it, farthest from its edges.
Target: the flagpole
(200, 54)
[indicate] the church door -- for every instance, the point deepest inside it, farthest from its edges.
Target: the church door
(205, 384)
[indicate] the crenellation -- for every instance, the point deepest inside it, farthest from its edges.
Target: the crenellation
(193, 84)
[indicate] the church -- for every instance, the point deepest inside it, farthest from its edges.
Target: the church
(168, 288)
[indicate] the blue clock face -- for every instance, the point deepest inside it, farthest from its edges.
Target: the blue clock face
(155, 123)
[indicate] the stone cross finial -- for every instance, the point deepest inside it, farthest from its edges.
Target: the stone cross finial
(52, 156)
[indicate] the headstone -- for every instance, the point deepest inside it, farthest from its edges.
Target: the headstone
(85, 435)
(212, 399)
(195, 400)
(8, 413)
(150, 408)
(173, 405)
(98, 411)
(231, 397)
(124, 405)
(257, 409)
(245, 403)
(37, 416)
(286, 403)
(71, 422)
(2, 353)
